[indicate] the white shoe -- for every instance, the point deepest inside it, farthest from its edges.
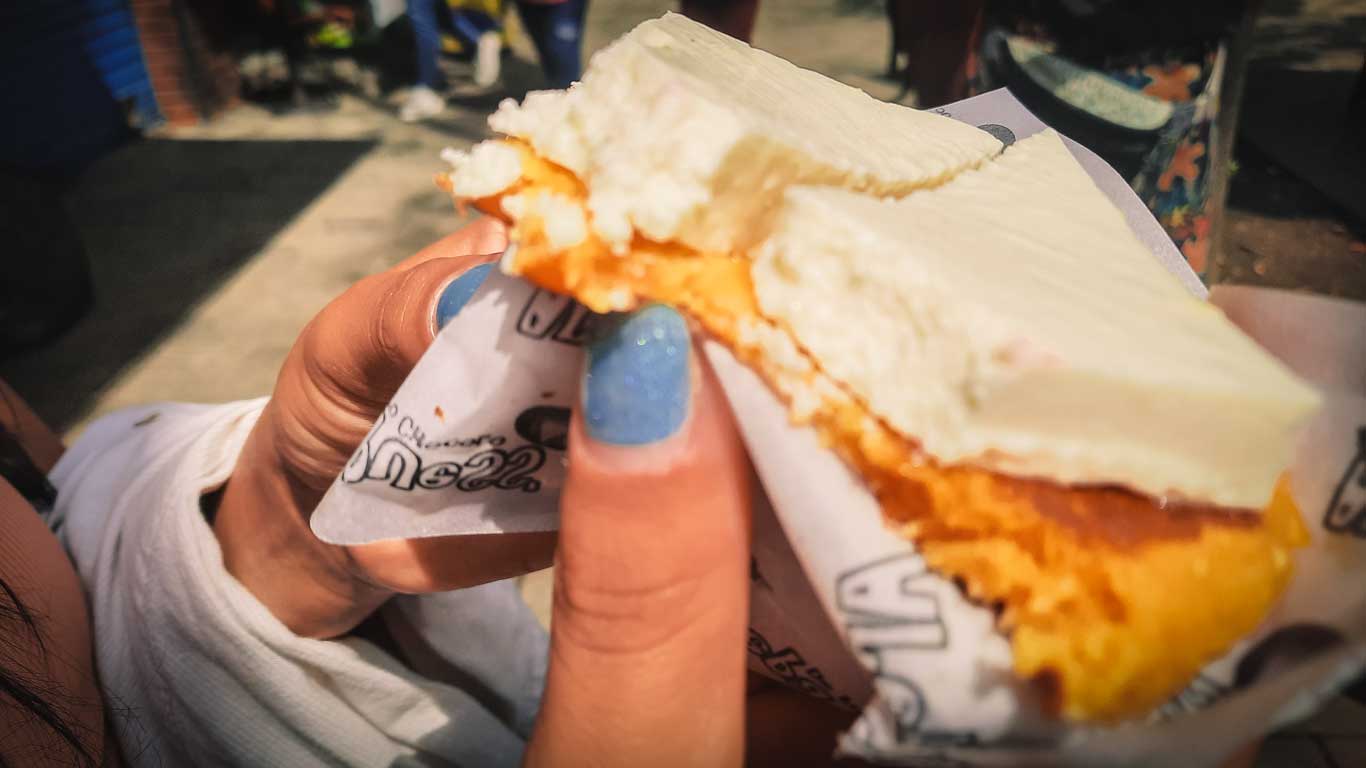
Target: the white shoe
(488, 54)
(422, 103)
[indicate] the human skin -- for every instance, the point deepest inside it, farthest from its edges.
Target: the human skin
(342, 370)
(651, 592)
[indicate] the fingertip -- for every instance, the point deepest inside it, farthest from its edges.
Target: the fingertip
(458, 292)
(653, 560)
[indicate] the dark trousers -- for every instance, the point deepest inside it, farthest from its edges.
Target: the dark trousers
(556, 29)
(427, 16)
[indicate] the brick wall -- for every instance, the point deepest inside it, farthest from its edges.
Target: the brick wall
(191, 67)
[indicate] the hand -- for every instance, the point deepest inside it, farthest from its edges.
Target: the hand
(652, 588)
(647, 663)
(647, 660)
(341, 372)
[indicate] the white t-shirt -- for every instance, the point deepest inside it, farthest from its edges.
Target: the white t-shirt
(197, 672)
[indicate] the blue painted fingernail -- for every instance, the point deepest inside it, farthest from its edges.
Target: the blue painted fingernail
(637, 386)
(458, 293)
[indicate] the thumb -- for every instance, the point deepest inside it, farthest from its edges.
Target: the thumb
(651, 594)
(351, 358)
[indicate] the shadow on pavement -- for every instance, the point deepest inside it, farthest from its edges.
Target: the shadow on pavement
(164, 223)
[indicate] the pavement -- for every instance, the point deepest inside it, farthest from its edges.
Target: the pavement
(212, 246)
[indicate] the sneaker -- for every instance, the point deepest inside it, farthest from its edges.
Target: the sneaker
(422, 103)
(487, 58)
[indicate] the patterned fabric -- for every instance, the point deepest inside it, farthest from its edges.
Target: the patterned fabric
(1175, 182)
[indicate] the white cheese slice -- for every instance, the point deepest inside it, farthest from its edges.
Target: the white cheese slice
(684, 134)
(1010, 319)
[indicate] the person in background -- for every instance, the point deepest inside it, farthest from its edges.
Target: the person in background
(933, 47)
(476, 29)
(556, 29)
(733, 17)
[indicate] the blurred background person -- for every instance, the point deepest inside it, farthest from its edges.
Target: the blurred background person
(932, 47)
(476, 27)
(286, 25)
(733, 17)
(306, 33)
(556, 29)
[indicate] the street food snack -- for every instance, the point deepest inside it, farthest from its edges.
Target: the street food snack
(1037, 404)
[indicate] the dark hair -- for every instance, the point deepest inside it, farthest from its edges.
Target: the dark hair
(18, 626)
(28, 691)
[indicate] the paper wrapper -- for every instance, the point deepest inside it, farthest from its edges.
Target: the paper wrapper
(473, 442)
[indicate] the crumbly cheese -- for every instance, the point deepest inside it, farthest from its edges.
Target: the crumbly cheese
(564, 222)
(786, 368)
(683, 134)
(487, 169)
(561, 218)
(1011, 320)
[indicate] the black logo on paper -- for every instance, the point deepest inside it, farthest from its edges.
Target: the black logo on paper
(892, 604)
(1346, 511)
(902, 705)
(556, 318)
(1002, 133)
(546, 425)
(395, 461)
(1202, 692)
(788, 666)
(887, 608)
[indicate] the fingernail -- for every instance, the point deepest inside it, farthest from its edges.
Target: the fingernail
(637, 386)
(455, 296)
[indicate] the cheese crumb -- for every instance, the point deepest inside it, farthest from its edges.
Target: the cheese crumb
(487, 169)
(560, 218)
(563, 219)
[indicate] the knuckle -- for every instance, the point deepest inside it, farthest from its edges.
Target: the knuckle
(399, 325)
(625, 620)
